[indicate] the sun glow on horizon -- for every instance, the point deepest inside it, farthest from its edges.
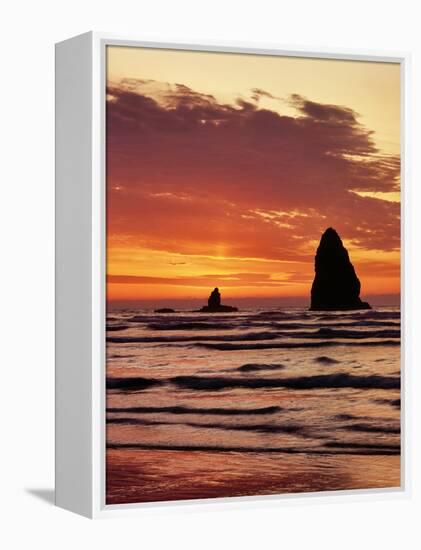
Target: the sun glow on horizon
(136, 274)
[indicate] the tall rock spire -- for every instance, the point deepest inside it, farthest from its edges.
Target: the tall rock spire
(336, 285)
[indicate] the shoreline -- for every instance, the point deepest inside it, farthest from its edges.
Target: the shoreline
(137, 476)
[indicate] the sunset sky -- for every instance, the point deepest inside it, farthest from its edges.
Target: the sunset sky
(225, 169)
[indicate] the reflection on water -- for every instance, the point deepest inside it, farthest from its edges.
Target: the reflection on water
(257, 402)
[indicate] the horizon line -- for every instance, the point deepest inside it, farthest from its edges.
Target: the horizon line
(378, 299)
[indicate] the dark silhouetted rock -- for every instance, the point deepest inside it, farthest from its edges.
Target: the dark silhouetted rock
(335, 285)
(214, 304)
(164, 310)
(214, 299)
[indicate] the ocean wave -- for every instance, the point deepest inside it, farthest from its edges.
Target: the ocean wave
(370, 314)
(256, 367)
(324, 360)
(259, 428)
(369, 428)
(372, 446)
(351, 449)
(269, 428)
(282, 315)
(273, 319)
(115, 328)
(142, 318)
(326, 332)
(131, 421)
(294, 345)
(169, 339)
(121, 356)
(344, 324)
(393, 402)
(247, 323)
(274, 312)
(180, 409)
(205, 325)
(323, 333)
(322, 381)
(132, 384)
(348, 417)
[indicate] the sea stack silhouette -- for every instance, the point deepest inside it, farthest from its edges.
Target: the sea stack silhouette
(336, 285)
(214, 304)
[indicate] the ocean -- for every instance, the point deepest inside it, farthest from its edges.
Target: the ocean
(256, 402)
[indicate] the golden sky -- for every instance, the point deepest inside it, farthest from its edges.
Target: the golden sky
(224, 170)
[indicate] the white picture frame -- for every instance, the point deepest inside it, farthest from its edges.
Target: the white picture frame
(80, 272)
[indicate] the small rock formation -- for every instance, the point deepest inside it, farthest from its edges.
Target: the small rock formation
(214, 304)
(164, 310)
(336, 285)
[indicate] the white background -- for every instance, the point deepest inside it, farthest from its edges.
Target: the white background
(28, 32)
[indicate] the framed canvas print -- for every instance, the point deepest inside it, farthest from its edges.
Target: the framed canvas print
(229, 273)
